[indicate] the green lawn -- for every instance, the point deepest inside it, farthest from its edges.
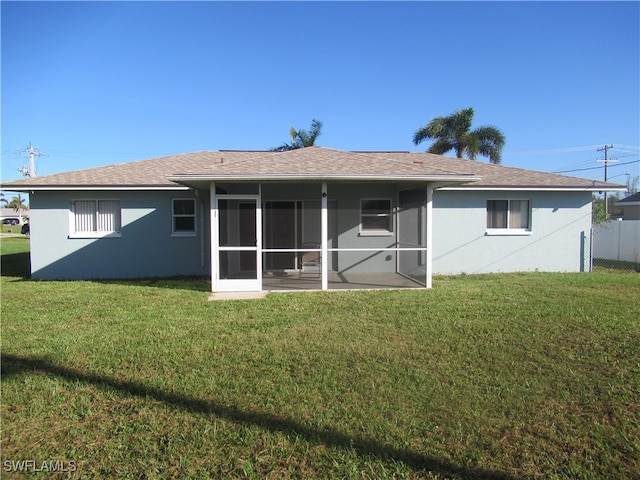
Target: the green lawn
(505, 376)
(11, 229)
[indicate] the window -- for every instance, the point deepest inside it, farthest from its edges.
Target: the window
(508, 215)
(184, 217)
(375, 216)
(95, 218)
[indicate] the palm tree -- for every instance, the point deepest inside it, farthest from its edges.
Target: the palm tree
(454, 132)
(17, 203)
(301, 138)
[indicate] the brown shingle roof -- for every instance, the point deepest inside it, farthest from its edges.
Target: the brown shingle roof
(310, 163)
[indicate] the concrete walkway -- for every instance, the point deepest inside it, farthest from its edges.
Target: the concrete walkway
(237, 296)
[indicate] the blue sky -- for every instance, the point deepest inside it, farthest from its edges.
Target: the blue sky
(96, 83)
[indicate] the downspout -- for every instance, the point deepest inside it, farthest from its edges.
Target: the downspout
(202, 256)
(202, 243)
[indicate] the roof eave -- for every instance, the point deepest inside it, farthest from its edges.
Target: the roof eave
(536, 188)
(61, 188)
(186, 178)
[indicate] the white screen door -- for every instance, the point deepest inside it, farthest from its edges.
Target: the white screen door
(239, 263)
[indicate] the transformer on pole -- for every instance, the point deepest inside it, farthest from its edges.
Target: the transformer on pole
(31, 170)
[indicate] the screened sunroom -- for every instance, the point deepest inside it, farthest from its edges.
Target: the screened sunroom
(319, 219)
(319, 236)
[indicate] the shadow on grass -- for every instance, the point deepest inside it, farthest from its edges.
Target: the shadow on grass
(13, 365)
(16, 265)
(197, 284)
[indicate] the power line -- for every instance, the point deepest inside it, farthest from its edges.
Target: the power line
(554, 150)
(582, 163)
(628, 148)
(594, 168)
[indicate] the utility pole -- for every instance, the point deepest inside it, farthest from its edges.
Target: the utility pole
(31, 171)
(606, 161)
(32, 162)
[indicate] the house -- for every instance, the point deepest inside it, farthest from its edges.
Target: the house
(252, 220)
(14, 216)
(630, 207)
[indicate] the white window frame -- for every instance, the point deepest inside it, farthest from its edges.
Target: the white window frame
(184, 233)
(96, 210)
(376, 232)
(510, 230)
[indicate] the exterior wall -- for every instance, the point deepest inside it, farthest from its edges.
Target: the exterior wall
(560, 223)
(344, 222)
(146, 247)
(560, 226)
(631, 212)
(347, 197)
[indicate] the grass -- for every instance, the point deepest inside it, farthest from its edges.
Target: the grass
(15, 257)
(495, 376)
(11, 228)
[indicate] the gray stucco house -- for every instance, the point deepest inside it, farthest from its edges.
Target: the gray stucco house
(313, 218)
(630, 207)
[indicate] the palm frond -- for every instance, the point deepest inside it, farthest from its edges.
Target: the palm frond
(461, 120)
(452, 128)
(441, 146)
(314, 133)
(420, 135)
(491, 142)
(301, 138)
(282, 148)
(453, 132)
(469, 144)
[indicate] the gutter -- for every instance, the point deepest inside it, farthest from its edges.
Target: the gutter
(180, 178)
(476, 188)
(68, 188)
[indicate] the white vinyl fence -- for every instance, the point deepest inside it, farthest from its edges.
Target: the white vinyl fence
(617, 240)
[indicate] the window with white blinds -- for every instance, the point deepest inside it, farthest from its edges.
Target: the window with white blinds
(95, 218)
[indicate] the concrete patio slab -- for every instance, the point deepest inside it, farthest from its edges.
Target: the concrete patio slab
(237, 296)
